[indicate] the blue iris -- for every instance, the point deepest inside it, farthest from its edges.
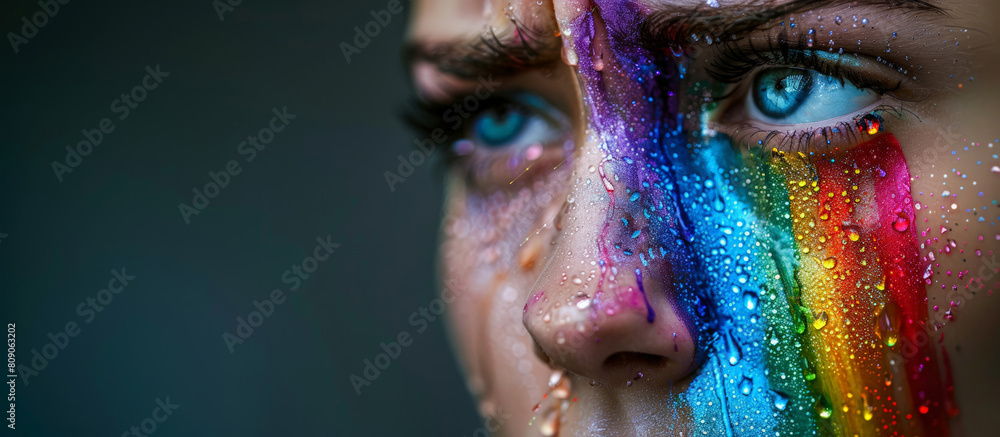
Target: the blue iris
(779, 92)
(499, 126)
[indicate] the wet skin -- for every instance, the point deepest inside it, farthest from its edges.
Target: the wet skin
(662, 255)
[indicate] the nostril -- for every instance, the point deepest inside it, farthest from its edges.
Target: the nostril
(619, 360)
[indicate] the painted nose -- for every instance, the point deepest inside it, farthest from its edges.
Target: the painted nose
(597, 310)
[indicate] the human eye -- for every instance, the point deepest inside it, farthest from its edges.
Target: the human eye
(522, 118)
(503, 139)
(805, 100)
(785, 96)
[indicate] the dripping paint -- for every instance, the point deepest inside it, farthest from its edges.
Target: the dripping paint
(799, 273)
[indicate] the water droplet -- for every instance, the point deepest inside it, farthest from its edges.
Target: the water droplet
(550, 426)
(746, 386)
(719, 204)
(568, 55)
(824, 408)
(591, 169)
(560, 390)
(635, 196)
(819, 320)
(887, 323)
(733, 351)
(837, 20)
(853, 233)
(799, 318)
(901, 223)
(830, 262)
(780, 400)
(809, 373)
(867, 410)
(750, 300)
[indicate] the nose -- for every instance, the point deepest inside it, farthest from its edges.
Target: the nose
(599, 310)
(614, 302)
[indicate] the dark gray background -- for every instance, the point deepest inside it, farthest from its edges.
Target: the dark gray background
(323, 175)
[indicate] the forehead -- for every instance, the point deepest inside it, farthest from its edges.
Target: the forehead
(440, 20)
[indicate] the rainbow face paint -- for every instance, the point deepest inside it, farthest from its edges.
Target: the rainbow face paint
(798, 275)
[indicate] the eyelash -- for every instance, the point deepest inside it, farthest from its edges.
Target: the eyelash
(735, 60)
(819, 139)
(424, 117)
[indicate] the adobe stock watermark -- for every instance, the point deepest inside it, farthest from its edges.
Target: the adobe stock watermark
(217, 180)
(88, 309)
(293, 277)
(11, 372)
(224, 6)
(419, 319)
(380, 19)
(123, 105)
(455, 117)
(160, 414)
(31, 27)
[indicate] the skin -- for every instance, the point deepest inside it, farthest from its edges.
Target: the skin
(521, 255)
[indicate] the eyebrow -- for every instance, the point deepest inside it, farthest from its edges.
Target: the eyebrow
(519, 48)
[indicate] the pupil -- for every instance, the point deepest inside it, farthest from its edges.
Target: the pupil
(499, 125)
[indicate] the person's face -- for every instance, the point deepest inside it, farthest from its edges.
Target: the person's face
(717, 218)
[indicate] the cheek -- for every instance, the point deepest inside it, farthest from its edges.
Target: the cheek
(492, 247)
(954, 191)
(486, 234)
